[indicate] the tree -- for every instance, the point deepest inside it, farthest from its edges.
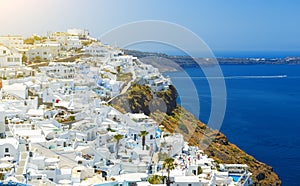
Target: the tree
(118, 137)
(37, 59)
(143, 134)
(37, 38)
(169, 165)
(72, 118)
(118, 69)
(24, 58)
(29, 41)
(2, 176)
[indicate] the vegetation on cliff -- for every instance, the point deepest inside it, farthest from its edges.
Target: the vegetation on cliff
(163, 108)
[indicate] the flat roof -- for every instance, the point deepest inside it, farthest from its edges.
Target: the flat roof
(131, 177)
(186, 179)
(236, 165)
(35, 112)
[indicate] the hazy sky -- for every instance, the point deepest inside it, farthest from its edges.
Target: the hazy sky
(225, 25)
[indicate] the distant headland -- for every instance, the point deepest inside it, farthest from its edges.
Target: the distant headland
(166, 62)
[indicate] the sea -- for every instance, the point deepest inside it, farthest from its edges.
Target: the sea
(262, 113)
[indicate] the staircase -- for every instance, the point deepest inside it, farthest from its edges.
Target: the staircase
(21, 170)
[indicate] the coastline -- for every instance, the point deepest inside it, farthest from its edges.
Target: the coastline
(263, 173)
(169, 63)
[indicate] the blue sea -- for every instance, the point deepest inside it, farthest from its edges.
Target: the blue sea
(262, 115)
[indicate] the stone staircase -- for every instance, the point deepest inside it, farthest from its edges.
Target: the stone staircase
(21, 170)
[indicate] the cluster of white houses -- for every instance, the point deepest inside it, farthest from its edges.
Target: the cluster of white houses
(52, 46)
(57, 129)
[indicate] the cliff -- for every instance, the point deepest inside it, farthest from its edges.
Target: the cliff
(163, 108)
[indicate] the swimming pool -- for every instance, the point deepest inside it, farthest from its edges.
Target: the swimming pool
(235, 178)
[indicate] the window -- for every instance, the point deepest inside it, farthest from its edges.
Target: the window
(194, 172)
(189, 184)
(6, 150)
(4, 51)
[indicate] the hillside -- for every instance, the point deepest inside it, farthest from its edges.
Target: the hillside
(163, 108)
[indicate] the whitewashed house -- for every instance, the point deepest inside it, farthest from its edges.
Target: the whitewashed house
(9, 147)
(9, 57)
(73, 42)
(81, 33)
(97, 49)
(156, 82)
(186, 181)
(62, 70)
(17, 90)
(12, 41)
(46, 51)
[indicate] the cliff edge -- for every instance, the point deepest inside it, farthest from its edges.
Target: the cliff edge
(163, 108)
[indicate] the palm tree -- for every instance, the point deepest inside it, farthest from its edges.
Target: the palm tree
(118, 137)
(143, 134)
(169, 165)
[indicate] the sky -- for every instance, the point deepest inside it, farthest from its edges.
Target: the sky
(231, 25)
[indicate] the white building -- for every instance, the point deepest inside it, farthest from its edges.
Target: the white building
(15, 72)
(82, 33)
(46, 51)
(66, 40)
(12, 41)
(9, 147)
(9, 58)
(73, 42)
(186, 181)
(63, 70)
(156, 82)
(17, 90)
(2, 123)
(97, 49)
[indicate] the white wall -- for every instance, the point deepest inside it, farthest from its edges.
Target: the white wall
(12, 151)
(2, 122)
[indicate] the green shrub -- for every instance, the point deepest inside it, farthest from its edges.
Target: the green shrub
(200, 170)
(72, 118)
(155, 179)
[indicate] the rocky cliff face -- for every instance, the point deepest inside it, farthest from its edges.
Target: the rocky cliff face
(140, 99)
(163, 108)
